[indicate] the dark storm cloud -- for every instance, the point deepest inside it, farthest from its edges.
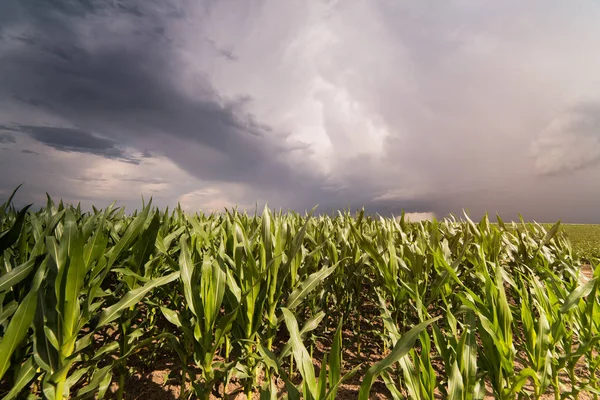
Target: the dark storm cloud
(27, 151)
(6, 137)
(422, 108)
(122, 81)
(115, 69)
(125, 178)
(77, 140)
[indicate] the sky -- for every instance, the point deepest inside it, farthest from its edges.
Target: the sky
(426, 106)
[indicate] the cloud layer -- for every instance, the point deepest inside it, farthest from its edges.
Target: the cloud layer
(350, 103)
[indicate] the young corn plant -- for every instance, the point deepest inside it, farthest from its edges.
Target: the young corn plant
(400, 349)
(67, 304)
(329, 379)
(582, 305)
(69, 301)
(459, 353)
(202, 323)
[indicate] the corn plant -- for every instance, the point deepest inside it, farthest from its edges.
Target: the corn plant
(329, 379)
(199, 318)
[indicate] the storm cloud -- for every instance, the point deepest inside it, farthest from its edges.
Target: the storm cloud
(69, 139)
(345, 103)
(571, 142)
(7, 138)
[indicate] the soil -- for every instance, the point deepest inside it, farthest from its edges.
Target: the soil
(587, 272)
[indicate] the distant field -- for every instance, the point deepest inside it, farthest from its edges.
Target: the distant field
(584, 238)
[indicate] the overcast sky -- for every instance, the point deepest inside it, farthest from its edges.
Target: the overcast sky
(427, 106)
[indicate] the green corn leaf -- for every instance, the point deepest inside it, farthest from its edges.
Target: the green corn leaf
(309, 326)
(271, 361)
(522, 378)
(442, 345)
(322, 382)
(267, 237)
(113, 312)
(411, 378)
(367, 245)
(300, 353)
(187, 273)
(455, 384)
(335, 360)
(83, 342)
(145, 245)
(171, 316)
(131, 233)
(10, 237)
(391, 386)
(8, 311)
(4, 206)
(212, 291)
(96, 247)
(401, 348)
(18, 274)
(130, 273)
(40, 245)
(551, 233)
(45, 354)
(331, 394)
(269, 391)
(17, 330)
(69, 282)
(51, 337)
(75, 376)
(103, 386)
(307, 286)
(166, 242)
(25, 375)
(223, 327)
(467, 350)
(573, 299)
(98, 379)
(299, 238)
(107, 348)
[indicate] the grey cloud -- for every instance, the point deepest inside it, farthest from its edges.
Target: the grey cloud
(117, 86)
(226, 53)
(122, 82)
(77, 140)
(462, 93)
(571, 142)
(6, 137)
(27, 151)
(140, 180)
(93, 179)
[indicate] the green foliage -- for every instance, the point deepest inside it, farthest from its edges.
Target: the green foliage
(585, 240)
(234, 297)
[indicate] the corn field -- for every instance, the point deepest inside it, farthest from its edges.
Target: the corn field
(265, 305)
